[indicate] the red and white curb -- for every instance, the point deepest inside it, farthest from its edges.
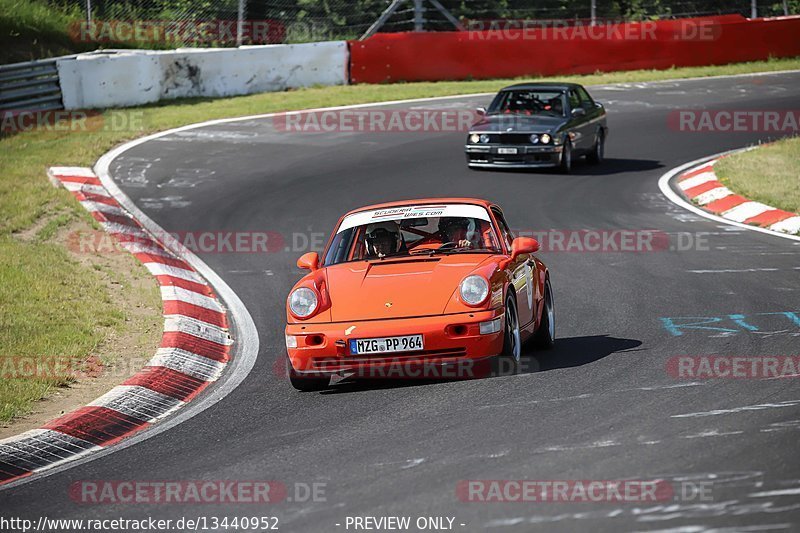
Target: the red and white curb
(195, 348)
(700, 185)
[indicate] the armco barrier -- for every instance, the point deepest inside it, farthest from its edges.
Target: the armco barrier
(393, 57)
(138, 77)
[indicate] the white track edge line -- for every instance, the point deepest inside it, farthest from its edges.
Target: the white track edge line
(243, 331)
(666, 190)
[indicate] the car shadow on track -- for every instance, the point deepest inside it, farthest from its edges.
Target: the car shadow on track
(567, 353)
(608, 167)
(574, 351)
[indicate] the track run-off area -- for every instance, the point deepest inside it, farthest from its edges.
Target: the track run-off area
(604, 404)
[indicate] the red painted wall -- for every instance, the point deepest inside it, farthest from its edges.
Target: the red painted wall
(494, 53)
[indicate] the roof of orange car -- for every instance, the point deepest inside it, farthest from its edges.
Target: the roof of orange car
(424, 201)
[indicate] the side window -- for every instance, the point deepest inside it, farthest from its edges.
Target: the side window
(586, 100)
(339, 248)
(508, 237)
(574, 100)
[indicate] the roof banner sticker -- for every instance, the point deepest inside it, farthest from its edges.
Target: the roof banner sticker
(414, 211)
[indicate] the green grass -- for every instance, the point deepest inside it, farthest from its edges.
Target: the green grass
(49, 301)
(32, 29)
(36, 29)
(769, 174)
(46, 316)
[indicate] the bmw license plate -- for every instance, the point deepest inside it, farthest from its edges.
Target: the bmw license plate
(506, 150)
(407, 343)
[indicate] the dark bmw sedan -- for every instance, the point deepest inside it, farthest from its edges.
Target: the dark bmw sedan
(532, 125)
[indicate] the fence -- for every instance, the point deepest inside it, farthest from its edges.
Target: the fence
(326, 20)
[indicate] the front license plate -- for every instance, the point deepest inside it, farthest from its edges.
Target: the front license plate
(506, 150)
(407, 343)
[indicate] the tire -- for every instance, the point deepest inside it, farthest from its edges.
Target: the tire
(565, 165)
(598, 152)
(508, 360)
(545, 337)
(306, 383)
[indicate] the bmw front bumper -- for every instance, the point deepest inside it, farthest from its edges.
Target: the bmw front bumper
(483, 156)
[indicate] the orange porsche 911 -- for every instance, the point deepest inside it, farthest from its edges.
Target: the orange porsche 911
(421, 284)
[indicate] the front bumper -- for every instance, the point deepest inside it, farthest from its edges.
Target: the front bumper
(526, 156)
(448, 339)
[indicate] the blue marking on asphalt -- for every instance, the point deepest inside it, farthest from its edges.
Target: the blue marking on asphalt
(735, 323)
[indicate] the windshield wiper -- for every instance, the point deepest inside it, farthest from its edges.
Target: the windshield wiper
(423, 251)
(470, 250)
(434, 251)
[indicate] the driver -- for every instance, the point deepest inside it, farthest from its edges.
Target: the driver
(455, 230)
(382, 239)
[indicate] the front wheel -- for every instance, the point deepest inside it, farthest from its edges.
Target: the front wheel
(545, 337)
(565, 165)
(598, 152)
(508, 360)
(306, 383)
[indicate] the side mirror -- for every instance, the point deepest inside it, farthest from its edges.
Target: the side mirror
(523, 245)
(309, 261)
(481, 111)
(579, 112)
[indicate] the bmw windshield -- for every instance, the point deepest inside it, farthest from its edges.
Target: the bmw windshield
(549, 103)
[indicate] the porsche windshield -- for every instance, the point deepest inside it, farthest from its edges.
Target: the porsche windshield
(551, 103)
(408, 231)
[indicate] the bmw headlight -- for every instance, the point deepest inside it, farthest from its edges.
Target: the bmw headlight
(545, 138)
(303, 302)
(474, 290)
(484, 138)
(475, 138)
(535, 138)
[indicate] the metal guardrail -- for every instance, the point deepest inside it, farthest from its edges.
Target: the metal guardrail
(30, 86)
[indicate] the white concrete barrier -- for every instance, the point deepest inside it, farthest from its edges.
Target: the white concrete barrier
(128, 78)
(95, 81)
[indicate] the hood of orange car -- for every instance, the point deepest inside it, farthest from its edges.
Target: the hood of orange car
(397, 288)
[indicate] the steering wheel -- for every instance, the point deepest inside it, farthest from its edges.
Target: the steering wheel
(448, 245)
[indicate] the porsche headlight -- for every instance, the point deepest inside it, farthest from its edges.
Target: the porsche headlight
(474, 290)
(484, 138)
(475, 138)
(545, 138)
(303, 302)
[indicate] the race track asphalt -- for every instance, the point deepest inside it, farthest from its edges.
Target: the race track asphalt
(600, 406)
